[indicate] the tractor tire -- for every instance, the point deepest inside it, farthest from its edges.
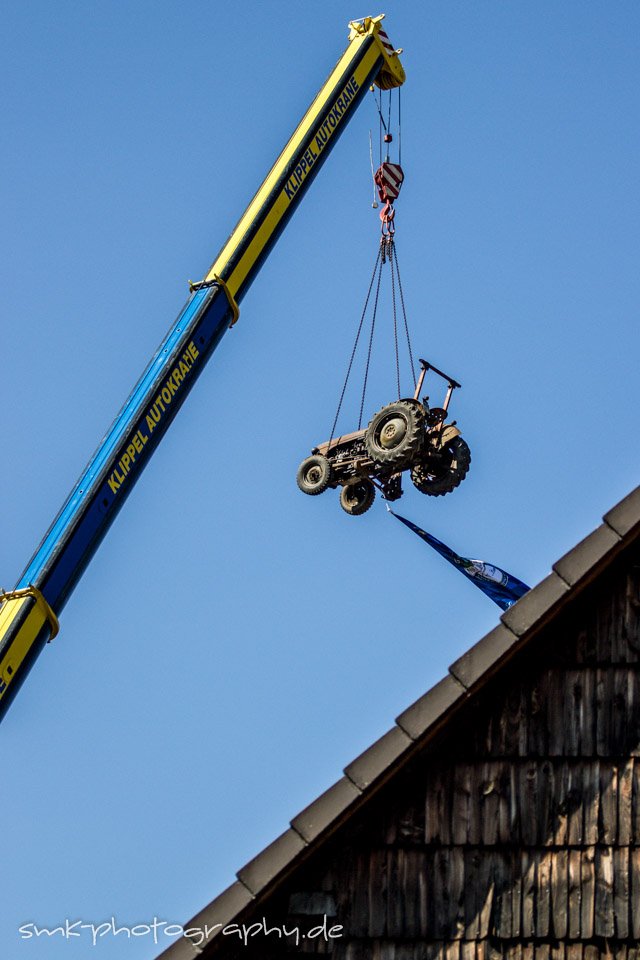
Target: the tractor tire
(357, 497)
(436, 481)
(314, 475)
(395, 435)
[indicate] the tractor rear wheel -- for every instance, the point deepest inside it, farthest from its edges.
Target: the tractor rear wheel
(436, 479)
(395, 434)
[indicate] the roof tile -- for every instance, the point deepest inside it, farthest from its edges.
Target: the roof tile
(474, 664)
(428, 709)
(319, 815)
(262, 869)
(625, 515)
(373, 762)
(535, 604)
(585, 556)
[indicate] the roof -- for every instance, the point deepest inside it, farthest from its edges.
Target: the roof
(570, 576)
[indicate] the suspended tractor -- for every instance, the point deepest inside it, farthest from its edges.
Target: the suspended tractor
(405, 435)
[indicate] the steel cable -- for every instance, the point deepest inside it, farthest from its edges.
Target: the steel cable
(355, 347)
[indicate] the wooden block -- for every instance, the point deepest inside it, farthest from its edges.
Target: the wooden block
(354, 911)
(543, 894)
(561, 803)
(439, 897)
(588, 716)
(573, 710)
(604, 628)
(574, 894)
(396, 892)
(513, 951)
(456, 917)
(503, 903)
(461, 789)
(452, 950)
(621, 890)
(472, 950)
(377, 891)
(414, 881)
(432, 823)
(481, 923)
(625, 800)
(529, 824)
(489, 803)
(546, 809)
(575, 804)
(516, 892)
(622, 711)
(528, 873)
(507, 808)
(434, 951)
(474, 826)
(559, 891)
(538, 732)
(590, 800)
(382, 950)
(556, 696)
(604, 925)
(528, 951)
(608, 820)
(588, 892)
(585, 648)
(604, 697)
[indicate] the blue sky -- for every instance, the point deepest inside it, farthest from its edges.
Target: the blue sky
(234, 644)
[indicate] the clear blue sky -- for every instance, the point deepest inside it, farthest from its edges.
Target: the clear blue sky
(234, 643)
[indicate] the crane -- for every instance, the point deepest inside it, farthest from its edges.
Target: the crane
(29, 613)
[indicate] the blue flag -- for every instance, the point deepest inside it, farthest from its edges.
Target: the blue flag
(501, 587)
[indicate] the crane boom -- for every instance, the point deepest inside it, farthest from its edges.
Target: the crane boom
(29, 613)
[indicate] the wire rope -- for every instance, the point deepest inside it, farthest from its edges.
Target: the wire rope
(373, 325)
(404, 315)
(355, 347)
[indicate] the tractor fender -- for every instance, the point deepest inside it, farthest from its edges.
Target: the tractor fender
(448, 433)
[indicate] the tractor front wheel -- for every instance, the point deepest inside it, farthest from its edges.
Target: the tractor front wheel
(357, 497)
(314, 475)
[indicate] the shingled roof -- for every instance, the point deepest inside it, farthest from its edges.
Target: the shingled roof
(364, 776)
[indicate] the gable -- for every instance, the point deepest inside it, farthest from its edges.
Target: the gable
(508, 825)
(518, 829)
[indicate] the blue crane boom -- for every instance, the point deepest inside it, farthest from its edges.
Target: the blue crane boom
(29, 613)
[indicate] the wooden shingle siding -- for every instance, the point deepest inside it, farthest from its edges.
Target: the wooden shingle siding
(530, 803)
(516, 834)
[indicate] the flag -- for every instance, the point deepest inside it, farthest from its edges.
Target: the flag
(501, 587)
